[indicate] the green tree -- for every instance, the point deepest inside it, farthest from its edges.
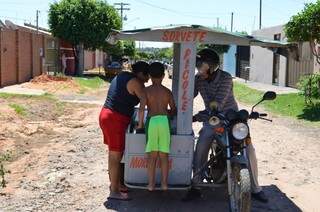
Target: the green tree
(305, 27)
(129, 48)
(144, 56)
(164, 53)
(83, 23)
(116, 51)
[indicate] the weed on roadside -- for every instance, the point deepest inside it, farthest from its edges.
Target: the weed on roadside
(3, 158)
(19, 109)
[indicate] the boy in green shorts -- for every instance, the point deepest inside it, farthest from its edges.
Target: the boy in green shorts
(157, 125)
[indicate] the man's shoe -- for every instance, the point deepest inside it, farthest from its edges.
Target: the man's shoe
(192, 195)
(260, 196)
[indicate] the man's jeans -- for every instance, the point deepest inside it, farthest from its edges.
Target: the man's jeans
(204, 143)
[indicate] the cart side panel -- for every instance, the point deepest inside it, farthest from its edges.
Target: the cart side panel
(187, 60)
(175, 81)
(180, 160)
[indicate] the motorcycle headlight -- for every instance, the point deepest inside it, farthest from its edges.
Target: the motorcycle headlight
(240, 131)
(214, 121)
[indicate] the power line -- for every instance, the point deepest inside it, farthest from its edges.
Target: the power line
(181, 13)
(14, 18)
(23, 4)
(281, 11)
(299, 2)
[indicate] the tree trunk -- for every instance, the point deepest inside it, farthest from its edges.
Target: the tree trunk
(76, 60)
(80, 54)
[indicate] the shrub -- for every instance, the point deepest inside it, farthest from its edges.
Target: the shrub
(309, 87)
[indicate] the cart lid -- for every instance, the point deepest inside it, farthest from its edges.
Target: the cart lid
(192, 34)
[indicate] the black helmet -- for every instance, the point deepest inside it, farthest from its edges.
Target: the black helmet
(208, 56)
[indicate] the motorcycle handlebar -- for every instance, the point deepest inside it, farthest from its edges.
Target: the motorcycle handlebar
(266, 119)
(256, 115)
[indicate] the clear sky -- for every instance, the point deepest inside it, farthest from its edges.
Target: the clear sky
(147, 13)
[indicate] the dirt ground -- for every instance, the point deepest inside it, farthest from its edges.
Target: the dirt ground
(60, 164)
(53, 84)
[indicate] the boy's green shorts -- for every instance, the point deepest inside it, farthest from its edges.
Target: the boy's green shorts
(158, 134)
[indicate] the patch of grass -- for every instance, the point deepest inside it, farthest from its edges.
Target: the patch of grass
(19, 109)
(4, 95)
(291, 105)
(245, 94)
(60, 108)
(89, 83)
(287, 105)
(45, 96)
(3, 158)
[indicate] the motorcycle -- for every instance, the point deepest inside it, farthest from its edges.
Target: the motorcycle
(227, 159)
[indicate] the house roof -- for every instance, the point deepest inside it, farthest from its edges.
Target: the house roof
(193, 34)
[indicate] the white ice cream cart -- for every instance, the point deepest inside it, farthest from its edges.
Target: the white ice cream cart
(185, 39)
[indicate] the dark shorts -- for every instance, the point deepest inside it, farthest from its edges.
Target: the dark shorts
(113, 126)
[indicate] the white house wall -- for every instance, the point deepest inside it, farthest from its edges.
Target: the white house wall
(261, 59)
(283, 71)
(261, 65)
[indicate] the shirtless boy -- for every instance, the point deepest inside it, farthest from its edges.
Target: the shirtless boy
(157, 125)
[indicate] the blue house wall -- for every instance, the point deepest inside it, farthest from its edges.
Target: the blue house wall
(229, 60)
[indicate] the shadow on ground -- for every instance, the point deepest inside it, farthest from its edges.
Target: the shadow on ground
(311, 112)
(211, 200)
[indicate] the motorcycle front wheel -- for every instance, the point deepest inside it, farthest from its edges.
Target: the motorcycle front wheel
(240, 199)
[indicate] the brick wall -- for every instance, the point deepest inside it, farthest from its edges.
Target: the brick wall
(25, 56)
(22, 53)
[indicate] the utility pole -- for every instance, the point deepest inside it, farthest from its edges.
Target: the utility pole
(121, 9)
(37, 21)
(232, 22)
(260, 22)
(217, 22)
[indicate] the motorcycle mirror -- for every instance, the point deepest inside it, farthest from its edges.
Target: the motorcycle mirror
(269, 95)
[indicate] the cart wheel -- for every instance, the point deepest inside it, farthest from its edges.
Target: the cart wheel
(240, 199)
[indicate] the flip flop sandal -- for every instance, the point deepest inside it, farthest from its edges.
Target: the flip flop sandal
(123, 190)
(119, 196)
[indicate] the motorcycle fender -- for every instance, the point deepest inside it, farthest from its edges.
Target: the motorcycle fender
(239, 159)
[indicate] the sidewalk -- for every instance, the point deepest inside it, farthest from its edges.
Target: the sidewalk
(18, 89)
(267, 87)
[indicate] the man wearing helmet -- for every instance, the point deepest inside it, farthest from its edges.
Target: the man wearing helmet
(213, 84)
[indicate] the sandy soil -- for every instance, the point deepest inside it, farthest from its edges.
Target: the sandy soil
(60, 164)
